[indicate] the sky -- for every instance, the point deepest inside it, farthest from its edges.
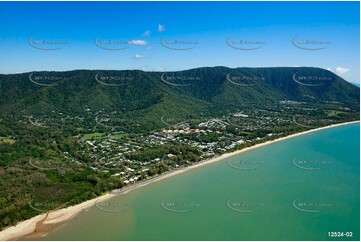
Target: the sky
(170, 36)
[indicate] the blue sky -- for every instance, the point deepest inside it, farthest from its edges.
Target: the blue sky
(179, 35)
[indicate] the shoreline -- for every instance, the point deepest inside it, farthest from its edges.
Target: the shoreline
(61, 215)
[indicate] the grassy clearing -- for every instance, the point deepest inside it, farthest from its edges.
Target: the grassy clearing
(93, 135)
(333, 113)
(4, 140)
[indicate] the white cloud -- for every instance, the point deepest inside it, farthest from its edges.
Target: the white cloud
(137, 42)
(146, 33)
(149, 47)
(161, 28)
(138, 56)
(342, 70)
(329, 69)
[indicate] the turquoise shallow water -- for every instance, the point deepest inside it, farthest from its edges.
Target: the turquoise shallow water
(298, 189)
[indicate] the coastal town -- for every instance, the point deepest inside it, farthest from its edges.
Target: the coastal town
(137, 157)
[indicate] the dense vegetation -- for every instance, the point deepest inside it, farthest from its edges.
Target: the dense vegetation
(45, 124)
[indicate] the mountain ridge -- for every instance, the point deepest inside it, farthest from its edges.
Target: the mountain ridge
(199, 92)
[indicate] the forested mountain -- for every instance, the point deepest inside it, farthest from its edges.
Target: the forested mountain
(199, 91)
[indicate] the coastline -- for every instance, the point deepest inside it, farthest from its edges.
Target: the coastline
(61, 215)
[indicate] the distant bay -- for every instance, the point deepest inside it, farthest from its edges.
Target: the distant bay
(301, 188)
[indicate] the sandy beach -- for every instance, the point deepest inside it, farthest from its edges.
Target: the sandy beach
(52, 217)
